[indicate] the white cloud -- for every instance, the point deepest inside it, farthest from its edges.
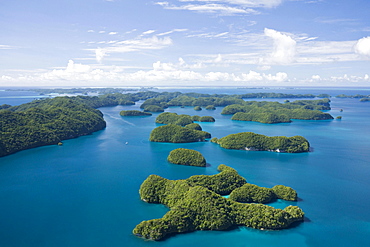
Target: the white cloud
(172, 31)
(362, 46)
(284, 48)
(112, 33)
(246, 3)
(220, 9)
(153, 43)
(148, 32)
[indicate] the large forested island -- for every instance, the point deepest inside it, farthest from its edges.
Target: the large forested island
(46, 122)
(196, 203)
(257, 142)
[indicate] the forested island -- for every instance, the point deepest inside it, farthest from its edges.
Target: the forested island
(187, 157)
(275, 112)
(182, 119)
(46, 122)
(134, 113)
(256, 142)
(196, 203)
(176, 134)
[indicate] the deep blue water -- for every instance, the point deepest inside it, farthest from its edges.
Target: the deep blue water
(85, 193)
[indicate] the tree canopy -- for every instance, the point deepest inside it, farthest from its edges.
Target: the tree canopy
(197, 204)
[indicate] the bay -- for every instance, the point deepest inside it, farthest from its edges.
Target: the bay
(85, 193)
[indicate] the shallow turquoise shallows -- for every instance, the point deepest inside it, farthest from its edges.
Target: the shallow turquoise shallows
(85, 193)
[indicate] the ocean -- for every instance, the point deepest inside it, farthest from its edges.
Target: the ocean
(85, 193)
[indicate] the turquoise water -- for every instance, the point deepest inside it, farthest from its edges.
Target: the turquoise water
(85, 193)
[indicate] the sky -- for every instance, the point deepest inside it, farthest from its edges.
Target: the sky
(244, 43)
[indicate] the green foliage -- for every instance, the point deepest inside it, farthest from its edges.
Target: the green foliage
(189, 157)
(252, 193)
(285, 192)
(197, 108)
(4, 106)
(153, 108)
(222, 183)
(193, 126)
(177, 134)
(45, 122)
(173, 118)
(195, 118)
(198, 205)
(134, 113)
(210, 107)
(257, 142)
(207, 119)
(274, 112)
(261, 117)
(214, 140)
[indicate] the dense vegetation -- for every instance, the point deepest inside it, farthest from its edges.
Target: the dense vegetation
(207, 119)
(196, 207)
(210, 107)
(188, 157)
(257, 142)
(197, 108)
(254, 193)
(45, 122)
(193, 126)
(177, 134)
(134, 113)
(275, 112)
(153, 108)
(183, 119)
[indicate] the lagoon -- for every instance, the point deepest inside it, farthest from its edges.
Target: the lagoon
(85, 193)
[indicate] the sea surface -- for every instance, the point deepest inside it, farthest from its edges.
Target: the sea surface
(85, 193)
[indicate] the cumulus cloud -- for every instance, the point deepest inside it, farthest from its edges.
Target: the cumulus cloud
(161, 72)
(284, 48)
(362, 46)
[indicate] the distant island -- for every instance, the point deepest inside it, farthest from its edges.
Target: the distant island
(182, 120)
(196, 203)
(275, 112)
(133, 113)
(256, 142)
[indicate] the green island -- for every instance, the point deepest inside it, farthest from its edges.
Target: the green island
(197, 203)
(176, 134)
(182, 120)
(188, 157)
(46, 122)
(133, 113)
(275, 112)
(256, 142)
(365, 99)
